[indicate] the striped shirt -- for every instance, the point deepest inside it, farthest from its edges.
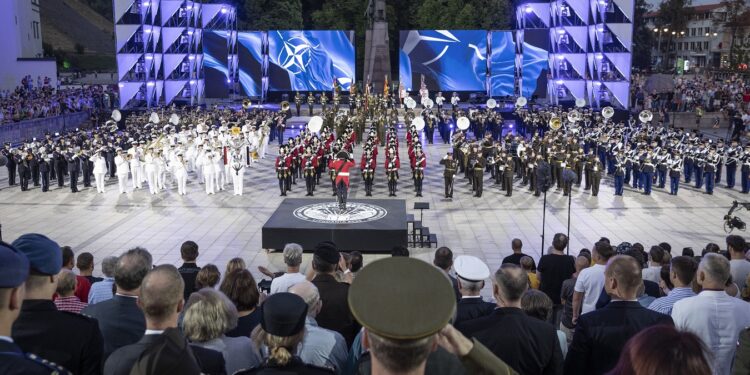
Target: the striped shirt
(101, 290)
(664, 304)
(71, 304)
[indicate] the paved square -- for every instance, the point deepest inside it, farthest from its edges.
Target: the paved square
(227, 226)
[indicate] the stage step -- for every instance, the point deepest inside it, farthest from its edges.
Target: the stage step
(433, 240)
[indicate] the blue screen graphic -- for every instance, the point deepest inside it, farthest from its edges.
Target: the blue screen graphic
(535, 63)
(310, 60)
(250, 68)
(502, 63)
(450, 60)
(215, 55)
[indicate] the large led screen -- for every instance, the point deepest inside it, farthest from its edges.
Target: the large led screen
(449, 60)
(502, 63)
(215, 67)
(250, 55)
(535, 63)
(310, 60)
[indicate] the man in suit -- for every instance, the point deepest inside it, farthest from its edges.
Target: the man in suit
(120, 320)
(528, 345)
(471, 273)
(189, 269)
(14, 270)
(161, 301)
(69, 339)
(601, 334)
(335, 313)
(444, 261)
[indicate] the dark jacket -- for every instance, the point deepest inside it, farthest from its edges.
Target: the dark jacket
(601, 334)
(14, 362)
(296, 366)
(122, 360)
(472, 308)
(189, 271)
(528, 345)
(71, 340)
(335, 314)
(120, 320)
(651, 288)
(742, 357)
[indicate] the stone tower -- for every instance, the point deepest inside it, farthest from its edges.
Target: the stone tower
(377, 56)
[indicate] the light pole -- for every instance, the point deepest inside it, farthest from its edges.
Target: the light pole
(658, 45)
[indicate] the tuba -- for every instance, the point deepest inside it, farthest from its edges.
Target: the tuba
(284, 106)
(574, 116)
(246, 104)
(521, 101)
(491, 103)
(645, 116)
(555, 123)
(608, 112)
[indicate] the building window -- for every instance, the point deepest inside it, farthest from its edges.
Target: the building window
(692, 32)
(679, 46)
(700, 31)
(708, 29)
(35, 28)
(705, 46)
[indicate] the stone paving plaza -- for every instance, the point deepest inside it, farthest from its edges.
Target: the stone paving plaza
(227, 226)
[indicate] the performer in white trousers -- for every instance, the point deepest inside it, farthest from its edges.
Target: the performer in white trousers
(122, 171)
(100, 169)
(161, 170)
(263, 140)
(179, 170)
(135, 169)
(209, 174)
(150, 169)
(219, 171)
(200, 157)
(238, 171)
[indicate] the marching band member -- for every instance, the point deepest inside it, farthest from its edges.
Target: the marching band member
(309, 166)
(342, 164)
(368, 165)
(161, 170)
(418, 165)
(238, 170)
(179, 170)
(100, 169)
(150, 169)
(282, 170)
(675, 169)
(209, 172)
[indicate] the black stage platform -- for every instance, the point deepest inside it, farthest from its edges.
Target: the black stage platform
(373, 225)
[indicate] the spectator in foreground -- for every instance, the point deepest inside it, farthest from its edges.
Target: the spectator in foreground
(566, 297)
(681, 274)
(536, 304)
(292, 259)
(742, 358)
(282, 329)
(161, 300)
(738, 265)
(335, 313)
(14, 269)
(663, 350)
(528, 266)
(656, 257)
(240, 287)
(590, 281)
(600, 335)
(209, 315)
(526, 344)
(66, 286)
(404, 305)
(83, 285)
(207, 277)
(554, 268)
(444, 261)
(103, 290)
(471, 273)
(85, 265)
(120, 319)
(320, 347)
(189, 269)
(713, 315)
(71, 340)
(399, 251)
(517, 246)
(235, 264)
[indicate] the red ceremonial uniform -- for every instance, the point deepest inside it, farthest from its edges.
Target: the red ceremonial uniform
(343, 167)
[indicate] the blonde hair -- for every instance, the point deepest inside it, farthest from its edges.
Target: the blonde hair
(280, 349)
(235, 264)
(209, 314)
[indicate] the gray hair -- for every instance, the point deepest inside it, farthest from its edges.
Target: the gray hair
(66, 282)
(132, 267)
(309, 293)
(108, 266)
(209, 314)
(471, 286)
(716, 267)
(292, 254)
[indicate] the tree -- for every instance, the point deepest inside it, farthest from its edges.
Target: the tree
(272, 15)
(466, 18)
(643, 38)
(738, 19)
(494, 14)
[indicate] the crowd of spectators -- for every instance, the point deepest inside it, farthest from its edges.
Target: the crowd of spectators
(709, 93)
(609, 310)
(31, 101)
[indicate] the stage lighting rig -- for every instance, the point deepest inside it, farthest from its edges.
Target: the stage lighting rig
(733, 222)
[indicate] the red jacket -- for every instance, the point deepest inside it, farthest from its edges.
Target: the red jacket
(372, 163)
(342, 167)
(419, 161)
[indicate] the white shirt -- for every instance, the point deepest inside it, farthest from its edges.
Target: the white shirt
(285, 281)
(740, 268)
(590, 282)
(652, 273)
(717, 319)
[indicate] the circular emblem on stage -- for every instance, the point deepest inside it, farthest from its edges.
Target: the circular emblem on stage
(330, 213)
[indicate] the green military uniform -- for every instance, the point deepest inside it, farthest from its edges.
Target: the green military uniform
(451, 165)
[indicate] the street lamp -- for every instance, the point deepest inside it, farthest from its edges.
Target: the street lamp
(658, 46)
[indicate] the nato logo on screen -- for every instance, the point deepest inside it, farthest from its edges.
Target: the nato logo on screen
(310, 60)
(448, 59)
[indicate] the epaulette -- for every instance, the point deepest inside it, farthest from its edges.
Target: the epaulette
(53, 367)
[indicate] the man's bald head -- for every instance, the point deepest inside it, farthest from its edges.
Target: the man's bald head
(512, 282)
(626, 271)
(582, 262)
(309, 293)
(161, 293)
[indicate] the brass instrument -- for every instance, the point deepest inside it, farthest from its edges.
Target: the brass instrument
(645, 116)
(521, 101)
(235, 130)
(246, 104)
(555, 123)
(285, 106)
(574, 116)
(608, 112)
(491, 103)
